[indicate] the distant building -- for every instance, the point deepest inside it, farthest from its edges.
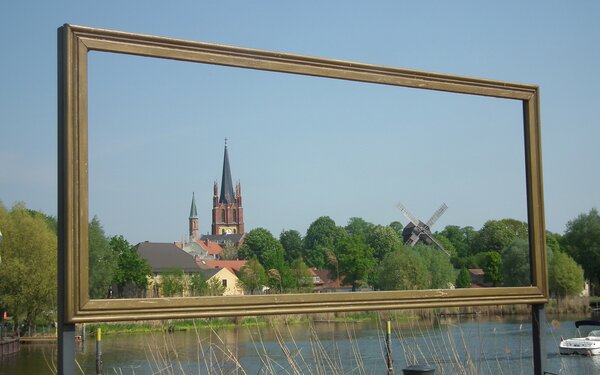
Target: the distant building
(233, 265)
(226, 278)
(478, 278)
(162, 258)
(323, 282)
(227, 219)
(227, 212)
(167, 257)
(227, 270)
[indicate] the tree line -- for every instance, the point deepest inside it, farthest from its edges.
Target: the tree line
(365, 255)
(360, 254)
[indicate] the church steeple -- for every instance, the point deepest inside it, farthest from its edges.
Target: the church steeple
(227, 194)
(193, 211)
(228, 213)
(193, 220)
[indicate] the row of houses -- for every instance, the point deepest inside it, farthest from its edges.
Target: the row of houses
(167, 257)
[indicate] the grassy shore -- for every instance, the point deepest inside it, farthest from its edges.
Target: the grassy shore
(573, 305)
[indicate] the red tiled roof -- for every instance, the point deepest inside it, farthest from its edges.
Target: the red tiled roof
(232, 265)
(210, 247)
(329, 283)
(476, 271)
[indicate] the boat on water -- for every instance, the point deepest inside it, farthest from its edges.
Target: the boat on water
(583, 345)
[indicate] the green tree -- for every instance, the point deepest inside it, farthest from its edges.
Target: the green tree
(27, 266)
(332, 263)
(565, 276)
(553, 241)
(402, 269)
(214, 287)
(463, 280)
(441, 272)
(275, 280)
(493, 268)
(301, 276)
(50, 220)
(446, 244)
(322, 235)
(261, 244)
(355, 259)
(359, 227)
(515, 264)
(582, 242)
(102, 262)
(131, 269)
(198, 285)
(172, 283)
(495, 235)
(461, 238)
(292, 244)
(252, 276)
(397, 227)
(230, 251)
(383, 240)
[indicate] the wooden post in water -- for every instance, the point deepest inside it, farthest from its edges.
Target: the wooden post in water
(388, 348)
(99, 351)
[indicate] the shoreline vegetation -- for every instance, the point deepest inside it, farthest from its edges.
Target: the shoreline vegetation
(554, 309)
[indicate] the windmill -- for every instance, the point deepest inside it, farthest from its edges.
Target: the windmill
(417, 231)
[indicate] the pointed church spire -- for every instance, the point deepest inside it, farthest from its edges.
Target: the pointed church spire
(193, 220)
(227, 193)
(193, 211)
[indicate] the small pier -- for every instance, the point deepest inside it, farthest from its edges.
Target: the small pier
(9, 345)
(36, 339)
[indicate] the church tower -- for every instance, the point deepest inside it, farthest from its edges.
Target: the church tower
(193, 220)
(227, 213)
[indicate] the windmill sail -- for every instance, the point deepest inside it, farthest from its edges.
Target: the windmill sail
(419, 232)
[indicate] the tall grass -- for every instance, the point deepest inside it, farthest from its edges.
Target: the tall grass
(454, 341)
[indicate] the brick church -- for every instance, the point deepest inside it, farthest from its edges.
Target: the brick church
(227, 218)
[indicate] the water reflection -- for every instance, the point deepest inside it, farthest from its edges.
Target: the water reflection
(451, 345)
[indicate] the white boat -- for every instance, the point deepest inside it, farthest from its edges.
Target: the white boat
(588, 345)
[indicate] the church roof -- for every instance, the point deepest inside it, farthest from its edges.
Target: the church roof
(221, 239)
(227, 193)
(193, 211)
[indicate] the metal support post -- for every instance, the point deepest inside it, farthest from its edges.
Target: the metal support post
(538, 324)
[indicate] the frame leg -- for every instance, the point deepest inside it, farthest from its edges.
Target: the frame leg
(66, 348)
(538, 323)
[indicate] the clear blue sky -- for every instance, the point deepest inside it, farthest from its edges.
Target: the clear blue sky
(304, 147)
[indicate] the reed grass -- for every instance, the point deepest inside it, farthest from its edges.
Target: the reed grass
(434, 337)
(414, 339)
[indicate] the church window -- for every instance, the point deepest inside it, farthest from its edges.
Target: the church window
(222, 216)
(235, 216)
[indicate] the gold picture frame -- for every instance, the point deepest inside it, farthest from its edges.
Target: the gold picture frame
(74, 44)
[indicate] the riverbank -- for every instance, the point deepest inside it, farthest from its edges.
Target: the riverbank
(566, 306)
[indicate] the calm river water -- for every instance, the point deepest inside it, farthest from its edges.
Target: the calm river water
(452, 346)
